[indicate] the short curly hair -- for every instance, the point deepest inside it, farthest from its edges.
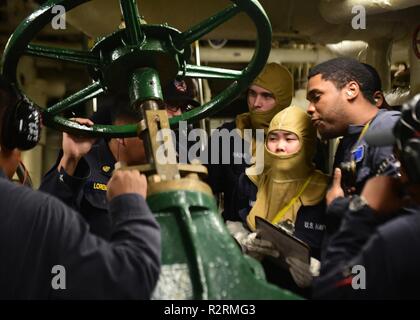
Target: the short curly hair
(341, 71)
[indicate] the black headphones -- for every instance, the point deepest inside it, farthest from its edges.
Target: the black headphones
(21, 123)
(407, 134)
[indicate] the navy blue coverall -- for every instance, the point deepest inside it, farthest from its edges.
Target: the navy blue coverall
(85, 191)
(38, 232)
(368, 160)
(387, 251)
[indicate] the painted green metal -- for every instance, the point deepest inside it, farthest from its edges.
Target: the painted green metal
(200, 259)
(145, 85)
(76, 56)
(161, 47)
(27, 30)
(201, 29)
(77, 98)
(131, 15)
(119, 61)
(200, 253)
(212, 73)
(262, 51)
(63, 124)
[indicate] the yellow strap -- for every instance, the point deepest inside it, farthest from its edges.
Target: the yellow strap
(365, 129)
(283, 211)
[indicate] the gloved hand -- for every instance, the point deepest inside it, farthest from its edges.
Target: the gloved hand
(257, 248)
(238, 231)
(303, 273)
(249, 242)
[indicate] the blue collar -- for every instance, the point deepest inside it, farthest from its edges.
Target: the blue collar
(357, 129)
(354, 129)
(106, 155)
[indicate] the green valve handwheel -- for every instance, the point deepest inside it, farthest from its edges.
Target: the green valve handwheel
(114, 58)
(200, 259)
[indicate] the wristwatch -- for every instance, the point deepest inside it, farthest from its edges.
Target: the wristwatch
(358, 203)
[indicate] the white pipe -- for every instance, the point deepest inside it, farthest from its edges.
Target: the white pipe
(414, 73)
(198, 63)
(241, 55)
(379, 56)
(348, 48)
(339, 11)
(207, 91)
(317, 55)
(202, 122)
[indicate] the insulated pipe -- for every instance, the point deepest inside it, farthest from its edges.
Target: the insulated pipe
(202, 122)
(243, 55)
(348, 48)
(378, 55)
(344, 48)
(414, 73)
(339, 11)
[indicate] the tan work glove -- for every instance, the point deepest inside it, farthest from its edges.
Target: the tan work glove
(249, 241)
(303, 273)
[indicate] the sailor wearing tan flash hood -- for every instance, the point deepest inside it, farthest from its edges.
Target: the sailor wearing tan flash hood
(270, 92)
(289, 189)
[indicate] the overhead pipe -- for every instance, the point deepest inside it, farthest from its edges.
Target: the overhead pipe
(348, 48)
(379, 56)
(244, 55)
(414, 73)
(354, 49)
(340, 11)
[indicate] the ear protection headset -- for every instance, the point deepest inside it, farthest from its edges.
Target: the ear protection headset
(21, 123)
(407, 134)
